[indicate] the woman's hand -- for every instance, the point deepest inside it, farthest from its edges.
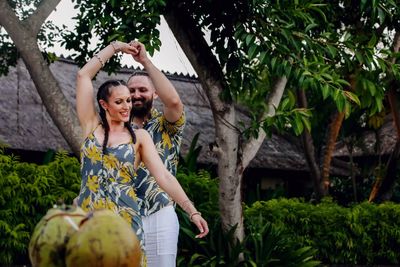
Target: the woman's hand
(141, 56)
(201, 225)
(125, 48)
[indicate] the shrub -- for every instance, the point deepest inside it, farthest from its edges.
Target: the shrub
(263, 246)
(361, 234)
(28, 191)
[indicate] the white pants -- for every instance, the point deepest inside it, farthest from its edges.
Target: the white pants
(161, 230)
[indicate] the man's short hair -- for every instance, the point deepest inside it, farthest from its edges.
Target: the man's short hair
(138, 73)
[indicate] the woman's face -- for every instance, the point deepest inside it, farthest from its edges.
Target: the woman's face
(119, 103)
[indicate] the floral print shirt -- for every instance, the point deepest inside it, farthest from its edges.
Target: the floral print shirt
(167, 138)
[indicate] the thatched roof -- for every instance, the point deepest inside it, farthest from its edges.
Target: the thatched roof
(25, 123)
(367, 144)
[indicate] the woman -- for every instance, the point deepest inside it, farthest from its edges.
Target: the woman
(112, 150)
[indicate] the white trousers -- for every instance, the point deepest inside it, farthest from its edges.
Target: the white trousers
(161, 230)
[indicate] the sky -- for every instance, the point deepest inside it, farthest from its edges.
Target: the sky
(170, 57)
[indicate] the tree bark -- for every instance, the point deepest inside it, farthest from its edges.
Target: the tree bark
(333, 133)
(24, 36)
(309, 150)
(251, 147)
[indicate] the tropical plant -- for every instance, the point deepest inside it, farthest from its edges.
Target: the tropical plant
(360, 234)
(27, 192)
(264, 245)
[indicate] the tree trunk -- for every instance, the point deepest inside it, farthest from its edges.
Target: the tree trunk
(23, 34)
(232, 157)
(210, 75)
(309, 150)
(333, 133)
(382, 188)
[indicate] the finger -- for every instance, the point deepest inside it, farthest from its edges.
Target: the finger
(134, 50)
(204, 229)
(207, 230)
(135, 44)
(200, 227)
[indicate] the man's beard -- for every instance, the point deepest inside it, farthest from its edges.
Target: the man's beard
(144, 110)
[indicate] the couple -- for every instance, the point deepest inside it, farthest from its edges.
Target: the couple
(118, 154)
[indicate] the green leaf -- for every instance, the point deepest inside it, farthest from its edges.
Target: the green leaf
(379, 104)
(359, 57)
(292, 99)
(285, 104)
(372, 41)
(252, 51)
(353, 97)
(327, 76)
(306, 123)
(310, 26)
(347, 109)
(298, 126)
(273, 63)
(249, 39)
(325, 91)
(371, 87)
(381, 15)
(263, 57)
(332, 50)
(340, 102)
(343, 82)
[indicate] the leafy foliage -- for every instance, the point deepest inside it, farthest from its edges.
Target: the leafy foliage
(265, 244)
(48, 35)
(27, 192)
(362, 234)
(113, 20)
(268, 245)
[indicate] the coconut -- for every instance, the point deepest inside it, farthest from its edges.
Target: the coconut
(51, 234)
(104, 239)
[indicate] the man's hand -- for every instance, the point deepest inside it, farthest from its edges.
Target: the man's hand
(141, 55)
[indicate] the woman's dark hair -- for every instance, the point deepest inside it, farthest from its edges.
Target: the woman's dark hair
(104, 93)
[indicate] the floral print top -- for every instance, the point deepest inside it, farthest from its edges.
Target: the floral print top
(167, 138)
(108, 181)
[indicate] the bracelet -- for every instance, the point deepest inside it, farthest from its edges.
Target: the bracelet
(116, 47)
(185, 203)
(100, 60)
(194, 213)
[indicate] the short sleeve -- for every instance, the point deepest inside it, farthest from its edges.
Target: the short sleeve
(174, 128)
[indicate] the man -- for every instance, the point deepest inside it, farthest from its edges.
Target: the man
(160, 222)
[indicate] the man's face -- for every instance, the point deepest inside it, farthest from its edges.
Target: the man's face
(142, 94)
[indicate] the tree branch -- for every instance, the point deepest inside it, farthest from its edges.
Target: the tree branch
(47, 86)
(8, 19)
(36, 20)
(195, 47)
(396, 45)
(309, 149)
(251, 147)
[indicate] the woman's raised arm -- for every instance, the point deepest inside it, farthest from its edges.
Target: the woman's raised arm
(85, 102)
